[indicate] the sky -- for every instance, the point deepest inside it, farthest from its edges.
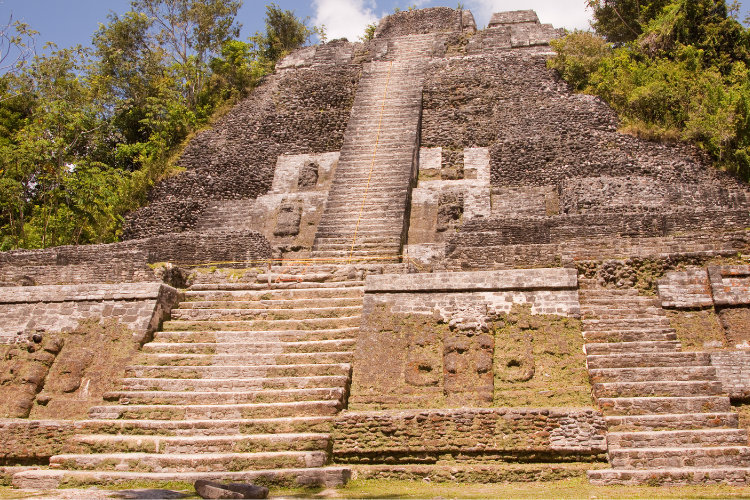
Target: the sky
(71, 22)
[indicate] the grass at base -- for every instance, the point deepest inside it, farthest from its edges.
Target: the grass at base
(568, 488)
(574, 488)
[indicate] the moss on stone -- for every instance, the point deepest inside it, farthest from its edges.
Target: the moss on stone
(418, 361)
(698, 330)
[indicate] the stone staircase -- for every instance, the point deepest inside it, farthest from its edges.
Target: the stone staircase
(367, 208)
(667, 418)
(241, 384)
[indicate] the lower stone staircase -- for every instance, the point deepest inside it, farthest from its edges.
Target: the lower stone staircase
(241, 384)
(667, 418)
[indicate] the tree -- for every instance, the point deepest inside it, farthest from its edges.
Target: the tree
(127, 72)
(284, 33)
(47, 147)
(703, 24)
(621, 21)
(191, 32)
(17, 45)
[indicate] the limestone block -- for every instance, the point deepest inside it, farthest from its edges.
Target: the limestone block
(298, 59)
(430, 162)
(288, 219)
(687, 289)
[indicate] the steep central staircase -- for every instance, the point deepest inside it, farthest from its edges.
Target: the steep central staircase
(242, 383)
(668, 421)
(367, 208)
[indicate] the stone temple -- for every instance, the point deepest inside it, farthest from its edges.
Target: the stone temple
(417, 257)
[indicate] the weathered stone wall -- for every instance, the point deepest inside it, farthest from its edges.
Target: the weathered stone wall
(688, 289)
(691, 249)
(466, 434)
(418, 21)
(127, 261)
(33, 441)
(445, 340)
(292, 112)
(63, 347)
(561, 228)
(733, 371)
(513, 17)
(561, 139)
(725, 288)
(139, 307)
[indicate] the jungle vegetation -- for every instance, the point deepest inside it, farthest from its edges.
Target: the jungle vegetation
(85, 132)
(672, 69)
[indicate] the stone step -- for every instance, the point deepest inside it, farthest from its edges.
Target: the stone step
(649, 359)
(301, 358)
(234, 443)
(355, 256)
(348, 232)
(346, 244)
(647, 405)
(290, 295)
(284, 425)
(630, 335)
(616, 301)
(232, 384)
(677, 421)
(300, 275)
(219, 411)
(358, 160)
(225, 397)
(589, 295)
(193, 462)
(309, 287)
(350, 219)
(663, 388)
(259, 347)
(680, 438)
(282, 324)
(238, 371)
(653, 374)
(281, 478)
(621, 314)
(273, 304)
(359, 175)
(364, 238)
(624, 323)
(364, 201)
(675, 457)
(605, 348)
(671, 477)
(249, 337)
(266, 314)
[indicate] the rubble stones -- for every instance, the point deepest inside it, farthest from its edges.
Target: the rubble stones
(213, 489)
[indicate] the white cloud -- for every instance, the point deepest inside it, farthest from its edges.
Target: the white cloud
(343, 18)
(570, 14)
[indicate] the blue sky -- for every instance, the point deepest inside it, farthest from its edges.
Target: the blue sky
(69, 22)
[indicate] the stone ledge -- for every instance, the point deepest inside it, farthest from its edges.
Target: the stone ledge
(322, 476)
(474, 473)
(523, 434)
(516, 279)
(83, 293)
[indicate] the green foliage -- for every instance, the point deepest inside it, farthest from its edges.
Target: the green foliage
(684, 78)
(369, 32)
(284, 33)
(17, 44)
(621, 21)
(578, 56)
(85, 134)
